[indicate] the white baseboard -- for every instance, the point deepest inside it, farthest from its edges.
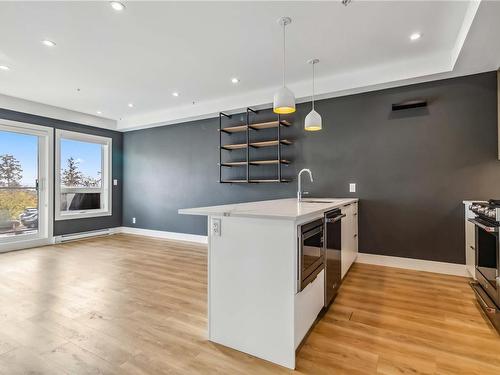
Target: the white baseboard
(163, 234)
(82, 235)
(414, 264)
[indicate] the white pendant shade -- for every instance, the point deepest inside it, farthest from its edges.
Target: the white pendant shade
(313, 121)
(284, 101)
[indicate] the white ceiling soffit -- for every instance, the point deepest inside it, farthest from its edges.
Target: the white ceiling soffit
(45, 110)
(152, 49)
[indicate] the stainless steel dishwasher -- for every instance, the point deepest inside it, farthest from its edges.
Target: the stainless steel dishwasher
(332, 244)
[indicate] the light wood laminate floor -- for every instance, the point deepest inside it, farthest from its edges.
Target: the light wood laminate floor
(134, 305)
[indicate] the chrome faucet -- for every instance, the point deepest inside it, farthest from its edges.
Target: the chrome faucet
(299, 189)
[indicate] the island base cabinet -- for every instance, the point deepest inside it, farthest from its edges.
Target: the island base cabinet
(308, 304)
(251, 287)
(349, 250)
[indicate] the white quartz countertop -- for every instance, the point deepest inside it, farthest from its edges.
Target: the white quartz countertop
(286, 209)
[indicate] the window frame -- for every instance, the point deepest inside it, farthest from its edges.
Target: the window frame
(45, 193)
(106, 173)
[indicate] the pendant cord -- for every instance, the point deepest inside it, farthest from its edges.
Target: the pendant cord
(313, 85)
(284, 47)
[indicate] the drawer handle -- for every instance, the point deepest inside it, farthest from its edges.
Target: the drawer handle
(355, 235)
(489, 309)
(472, 247)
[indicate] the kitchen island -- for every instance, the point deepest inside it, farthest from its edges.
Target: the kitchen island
(255, 302)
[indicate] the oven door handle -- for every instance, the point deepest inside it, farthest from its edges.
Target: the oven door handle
(482, 226)
(488, 308)
(334, 219)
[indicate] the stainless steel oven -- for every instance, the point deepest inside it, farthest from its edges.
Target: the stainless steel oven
(311, 256)
(487, 263)
(487, 287)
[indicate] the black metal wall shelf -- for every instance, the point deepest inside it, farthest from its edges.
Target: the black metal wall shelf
(247, 128)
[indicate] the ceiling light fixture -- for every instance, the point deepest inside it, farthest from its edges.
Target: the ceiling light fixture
(48, 43)
(99, 112)
(415, 36)
(284, 99)
(313, 119)
(116, 5)
(4, 67)
(176, 94)
(235, 80)
(131, 105)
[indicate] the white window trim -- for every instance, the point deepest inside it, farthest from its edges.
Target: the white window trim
(46, 192)
(107, 174)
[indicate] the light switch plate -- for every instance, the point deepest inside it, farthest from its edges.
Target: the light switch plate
(352, 188)
(115, 182)
(133, 220)
(216, 227)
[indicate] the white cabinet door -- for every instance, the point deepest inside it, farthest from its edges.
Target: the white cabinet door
(347, 251)
(355, 231)
(470, 245)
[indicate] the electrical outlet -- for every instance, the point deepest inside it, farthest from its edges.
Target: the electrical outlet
(216, 227)
(133, 220)
(115, 182)
(352, 188)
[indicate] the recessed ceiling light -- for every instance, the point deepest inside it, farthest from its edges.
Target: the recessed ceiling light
(175, 94)
(415, 36)
(116, 5)
(235, 80)
(99, 112)
(48, 43)
(130, 105)
(3, 67)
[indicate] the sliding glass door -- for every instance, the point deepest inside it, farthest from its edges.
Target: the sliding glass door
(25, 197)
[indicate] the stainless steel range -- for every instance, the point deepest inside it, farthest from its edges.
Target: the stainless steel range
(487, 287)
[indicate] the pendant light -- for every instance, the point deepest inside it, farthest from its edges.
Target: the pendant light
(313, 119)
(284, 100)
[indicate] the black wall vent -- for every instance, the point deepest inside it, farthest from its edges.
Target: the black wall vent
(409, 104)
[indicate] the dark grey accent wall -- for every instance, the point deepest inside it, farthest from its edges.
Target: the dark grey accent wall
(88, 224)
(412, 168)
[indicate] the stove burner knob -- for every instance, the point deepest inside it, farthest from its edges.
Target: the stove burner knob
(491, 213)
(481, 210)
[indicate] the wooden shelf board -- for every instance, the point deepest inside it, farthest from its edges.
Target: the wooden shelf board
(253, 162)
(235, 129)
(234, 164)
(268, 125)
(262, 125)
(272, 180)
(238, 146)
(266, 162)
(254, 181)
(270, 143)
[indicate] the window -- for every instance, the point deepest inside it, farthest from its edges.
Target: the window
(83, 178)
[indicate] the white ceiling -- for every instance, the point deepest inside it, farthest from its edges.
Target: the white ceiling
(151, 49)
